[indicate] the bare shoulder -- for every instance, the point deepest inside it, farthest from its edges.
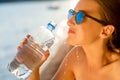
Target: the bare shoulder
(76, 52)
(67, 67)
(75, 55)
(112, 70)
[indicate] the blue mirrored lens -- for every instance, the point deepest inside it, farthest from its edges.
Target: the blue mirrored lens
(79, 17)
(70, 13)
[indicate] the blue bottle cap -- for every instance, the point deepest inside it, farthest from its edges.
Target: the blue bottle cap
(51, 25)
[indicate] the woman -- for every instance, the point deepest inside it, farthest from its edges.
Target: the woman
(94, 28)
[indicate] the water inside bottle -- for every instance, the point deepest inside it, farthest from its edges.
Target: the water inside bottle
(47, 44)
(19, 70)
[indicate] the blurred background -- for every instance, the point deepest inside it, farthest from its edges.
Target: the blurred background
(19, 17)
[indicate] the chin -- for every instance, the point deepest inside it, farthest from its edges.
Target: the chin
(71, 42)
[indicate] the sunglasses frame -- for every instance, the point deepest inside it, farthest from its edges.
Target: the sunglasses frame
(72, 13)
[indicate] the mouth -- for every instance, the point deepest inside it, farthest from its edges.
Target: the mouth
(71, 31)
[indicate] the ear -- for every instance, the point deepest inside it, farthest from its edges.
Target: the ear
(107, 31)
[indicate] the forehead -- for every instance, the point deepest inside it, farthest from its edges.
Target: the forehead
(89, 6)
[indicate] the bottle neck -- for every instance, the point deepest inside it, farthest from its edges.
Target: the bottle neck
(51, 26)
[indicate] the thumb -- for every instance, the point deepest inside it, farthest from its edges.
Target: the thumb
(47, 53)
(45, 57)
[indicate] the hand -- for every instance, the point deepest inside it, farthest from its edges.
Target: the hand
(28, 55)
(24, 42)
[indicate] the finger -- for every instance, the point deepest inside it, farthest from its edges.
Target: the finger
(44, 58)
(46, 55)
(28, 35)
(21, 44)
(19, 47)
(25, 41)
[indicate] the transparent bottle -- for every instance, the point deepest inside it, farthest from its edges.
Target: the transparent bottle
(29, 56)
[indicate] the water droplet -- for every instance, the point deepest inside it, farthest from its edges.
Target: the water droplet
(66, 64)
(64, 73)
(78, 56)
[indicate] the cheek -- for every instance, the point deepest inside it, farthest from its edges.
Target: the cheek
(83, 36)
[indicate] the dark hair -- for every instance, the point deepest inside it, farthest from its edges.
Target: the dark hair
(110, 13)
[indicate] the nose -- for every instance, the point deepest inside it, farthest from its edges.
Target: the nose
(71, 21)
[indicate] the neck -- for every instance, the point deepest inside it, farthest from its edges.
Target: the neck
(96, 55)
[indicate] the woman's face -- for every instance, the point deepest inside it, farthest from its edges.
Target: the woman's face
(89, 30)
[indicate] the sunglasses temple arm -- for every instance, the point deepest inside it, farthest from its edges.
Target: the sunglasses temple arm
(99, 21)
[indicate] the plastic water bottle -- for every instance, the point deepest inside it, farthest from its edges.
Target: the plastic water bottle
(29, 56)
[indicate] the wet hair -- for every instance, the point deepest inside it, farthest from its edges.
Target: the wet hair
(110, 13)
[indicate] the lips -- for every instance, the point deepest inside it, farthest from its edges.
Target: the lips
(71, 31)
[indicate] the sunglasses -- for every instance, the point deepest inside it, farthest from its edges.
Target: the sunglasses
(79, 16)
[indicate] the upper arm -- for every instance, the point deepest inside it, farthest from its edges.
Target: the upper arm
(65, 71)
